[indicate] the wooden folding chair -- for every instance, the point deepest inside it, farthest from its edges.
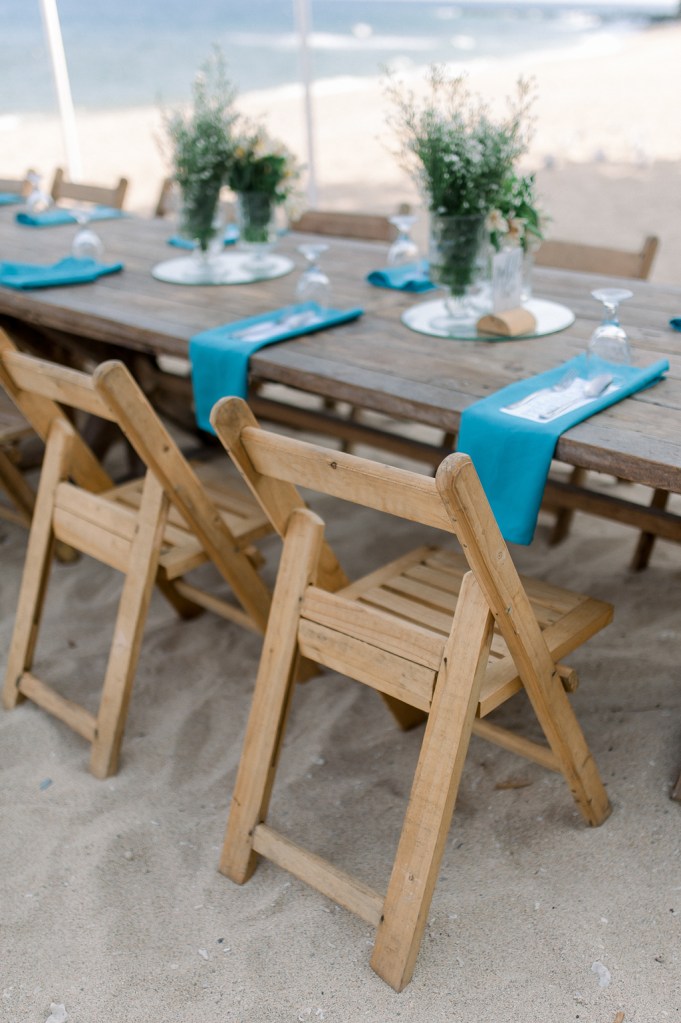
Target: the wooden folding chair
(452, 635)
(153, 530)
(79, 191)
(614, 263)
(13, 430)
(21, 186)
(334, 223)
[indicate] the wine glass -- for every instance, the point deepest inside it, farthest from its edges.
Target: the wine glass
(86, 243)
(404, 249)
(313, 284)
(609, 340)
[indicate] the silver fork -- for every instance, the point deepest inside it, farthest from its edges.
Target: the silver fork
(560, 385)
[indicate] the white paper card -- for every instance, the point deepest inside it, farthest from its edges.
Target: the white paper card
(507, 279)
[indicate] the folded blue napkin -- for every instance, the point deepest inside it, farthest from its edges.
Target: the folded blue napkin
(7, 198)
(408, 277)
(66, 271)
(675, 323)
(230, 236)
(57, 215)
(219, 356)
(512, 455)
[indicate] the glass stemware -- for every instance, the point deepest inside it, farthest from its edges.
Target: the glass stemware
(404, 249)
(313, 284)
(86, 243)
(37, 200)
(609, 340)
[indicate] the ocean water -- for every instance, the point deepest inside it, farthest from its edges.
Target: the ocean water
(146, 52)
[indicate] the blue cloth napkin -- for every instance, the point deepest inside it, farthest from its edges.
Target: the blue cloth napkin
(219, 356)
(7, 198)
(57, 215)
(675, 323)
(408, 277)
(66, 271)
(512, 455)
(231, 236)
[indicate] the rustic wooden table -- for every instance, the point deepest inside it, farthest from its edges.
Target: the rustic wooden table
(375, 362)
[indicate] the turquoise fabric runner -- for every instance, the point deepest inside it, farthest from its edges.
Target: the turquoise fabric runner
(512, 455)
(675, 323)
(219, 357)
(67, 271)
(56, 215)
(9, 198)
(408, 277)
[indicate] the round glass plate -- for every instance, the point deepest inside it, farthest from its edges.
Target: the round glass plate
(227, 268)
(550, 317)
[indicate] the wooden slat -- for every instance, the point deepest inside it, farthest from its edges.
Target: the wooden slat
(72, 714)
(329, 880)
(380, 630)
(91, 539)
(516, 744)
(399, 492)
(383, 671)
(59, 383)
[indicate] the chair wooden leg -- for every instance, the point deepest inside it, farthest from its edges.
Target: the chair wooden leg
(565, 737)
(433, 793)
(271, 699)
(564, 516)
(646, 541)
(129, 628)
(17, 489)
(676, 791)
(37, 566)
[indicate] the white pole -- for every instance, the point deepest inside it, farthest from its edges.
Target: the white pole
(302, 12)
(55, 43)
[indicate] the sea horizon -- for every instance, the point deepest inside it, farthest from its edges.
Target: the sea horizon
(160, 48)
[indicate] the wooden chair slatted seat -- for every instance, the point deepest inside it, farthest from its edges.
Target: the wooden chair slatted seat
(450, 635)
(154, 530)
(13, 430)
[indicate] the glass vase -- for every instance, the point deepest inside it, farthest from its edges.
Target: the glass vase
(200, 222)
(257, 232)
(459, 260)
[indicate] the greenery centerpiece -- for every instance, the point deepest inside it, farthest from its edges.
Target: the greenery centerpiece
(461, 157)
(263, 173)
(202, 142)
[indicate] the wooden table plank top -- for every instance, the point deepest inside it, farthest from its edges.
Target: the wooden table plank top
(375, 362)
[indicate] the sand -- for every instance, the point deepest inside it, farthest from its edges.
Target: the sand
(111, 900)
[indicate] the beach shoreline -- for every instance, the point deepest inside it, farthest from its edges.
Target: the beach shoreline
(606, 151)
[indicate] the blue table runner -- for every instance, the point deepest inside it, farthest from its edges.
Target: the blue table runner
(512, 455)
(411, 277)
(56, 215)
(219, 357)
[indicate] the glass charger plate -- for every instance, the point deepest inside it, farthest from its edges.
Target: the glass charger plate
(228, 268)
(550, 317)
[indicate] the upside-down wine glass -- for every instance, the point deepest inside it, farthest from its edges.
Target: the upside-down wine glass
(404, 249)
(609, 340)
(313, 284)
(86, 243)
(37, 200)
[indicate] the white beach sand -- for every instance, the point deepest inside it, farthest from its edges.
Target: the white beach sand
(110, 898)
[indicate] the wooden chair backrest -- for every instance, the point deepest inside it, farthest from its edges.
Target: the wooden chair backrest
(367, 226)
(164, 203)
(40, 388)
(21, 186)
(80, 192)
(597, 259)
(274, 465)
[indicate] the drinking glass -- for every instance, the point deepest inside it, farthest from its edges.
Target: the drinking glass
(609, 340)
(37, 200)
(313, 284)
(404, 249)
(86, 243)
